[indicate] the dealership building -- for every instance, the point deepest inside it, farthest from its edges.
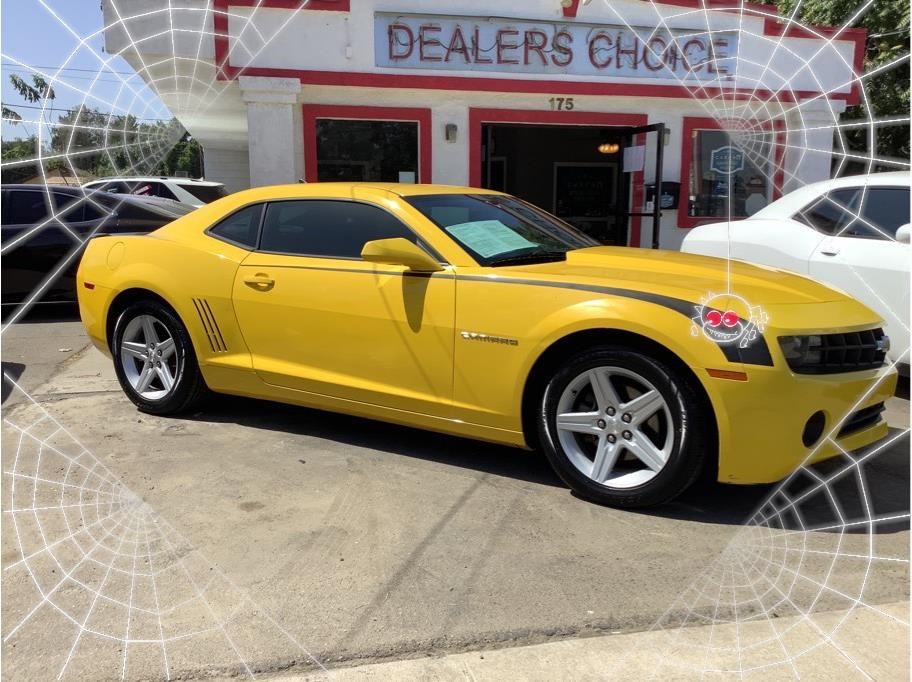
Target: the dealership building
(577, 107)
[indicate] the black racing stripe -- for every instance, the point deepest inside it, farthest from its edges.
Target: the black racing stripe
(756, 353)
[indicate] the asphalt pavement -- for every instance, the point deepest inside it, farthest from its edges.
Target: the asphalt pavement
(362, 542)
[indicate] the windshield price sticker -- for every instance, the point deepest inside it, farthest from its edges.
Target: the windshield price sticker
(489, 237)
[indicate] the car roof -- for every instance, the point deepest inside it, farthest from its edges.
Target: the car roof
(154, 178)
(343, 190)
(797, 199)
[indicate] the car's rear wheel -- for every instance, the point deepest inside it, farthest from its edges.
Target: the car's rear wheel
(154, 359)
(623, 428)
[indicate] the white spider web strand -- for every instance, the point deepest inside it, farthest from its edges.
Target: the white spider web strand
(111, 573)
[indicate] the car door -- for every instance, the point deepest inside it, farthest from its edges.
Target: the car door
(318, 318)
(34, 245)
(860, 255)
(778, 242)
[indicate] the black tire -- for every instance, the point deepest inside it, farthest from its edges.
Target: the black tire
(189, 388)
(692, 428)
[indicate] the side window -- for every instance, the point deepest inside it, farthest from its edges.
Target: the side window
(27, 207)
(68, 207)
(112, 187)
(143, 189)
(159, 189)
(883, 211)
(332, 229)
(241, 227)
(831, 212)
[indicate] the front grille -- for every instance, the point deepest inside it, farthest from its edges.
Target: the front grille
(861, 420)
(836, 353)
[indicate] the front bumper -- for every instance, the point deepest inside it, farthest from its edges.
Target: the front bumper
(762, 420)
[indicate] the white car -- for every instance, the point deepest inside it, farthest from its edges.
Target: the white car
(185, 190)
(851, 233)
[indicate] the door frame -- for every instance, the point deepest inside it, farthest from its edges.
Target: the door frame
(480, 116)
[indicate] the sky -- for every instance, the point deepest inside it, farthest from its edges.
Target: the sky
(31, 34)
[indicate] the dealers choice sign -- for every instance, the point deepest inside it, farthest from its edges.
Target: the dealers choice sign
(414, 41)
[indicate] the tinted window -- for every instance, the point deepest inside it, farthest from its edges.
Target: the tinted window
(384, 151)
(205, 193)
(68, 206)
(334, 229)
(241, 227)
(90, 212)
(883, 211)
(111, 187)
(161, 190)
(865, 213)
(831, 212)
(26, 207)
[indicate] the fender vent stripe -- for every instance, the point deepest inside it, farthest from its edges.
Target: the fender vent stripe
(216, 341)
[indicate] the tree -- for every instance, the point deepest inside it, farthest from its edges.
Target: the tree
(18, 149)
(887, 23)
(36, 92)
(22, 150)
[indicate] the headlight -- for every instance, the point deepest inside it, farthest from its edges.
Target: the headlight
(801, 350)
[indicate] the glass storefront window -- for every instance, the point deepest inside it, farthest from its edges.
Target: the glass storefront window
(376, 151)
(725, 177)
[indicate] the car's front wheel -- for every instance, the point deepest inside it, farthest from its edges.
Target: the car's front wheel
(623, 428)
(154, 359)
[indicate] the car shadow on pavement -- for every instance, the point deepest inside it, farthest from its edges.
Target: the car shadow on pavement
(886, 475)
(868, 494)
(404, 441)
(42, 312)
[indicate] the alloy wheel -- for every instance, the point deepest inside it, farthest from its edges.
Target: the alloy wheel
(615, 427)
(148, 356)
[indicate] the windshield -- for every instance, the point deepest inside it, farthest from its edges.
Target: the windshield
(501, 230)
(205, 193)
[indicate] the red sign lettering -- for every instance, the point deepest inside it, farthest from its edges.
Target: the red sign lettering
(503, 46)
(424, 42)
(401, 41)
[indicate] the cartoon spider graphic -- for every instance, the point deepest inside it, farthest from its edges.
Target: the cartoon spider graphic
(719, 323)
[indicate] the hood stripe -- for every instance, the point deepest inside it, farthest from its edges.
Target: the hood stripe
(755, 354)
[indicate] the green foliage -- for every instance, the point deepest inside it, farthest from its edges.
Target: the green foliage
(887, 23)
(100, 143)
(19, 150)
(34, 93)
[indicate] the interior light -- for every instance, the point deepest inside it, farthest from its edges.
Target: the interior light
(609, 148)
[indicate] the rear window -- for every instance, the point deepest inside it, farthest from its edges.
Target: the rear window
(205, 193)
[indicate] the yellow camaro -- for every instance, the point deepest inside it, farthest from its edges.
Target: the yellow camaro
(471, 312)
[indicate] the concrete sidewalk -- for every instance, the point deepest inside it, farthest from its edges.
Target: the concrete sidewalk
(860, 644)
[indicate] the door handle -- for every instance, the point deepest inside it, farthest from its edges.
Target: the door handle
(830, 250)
(260, 282)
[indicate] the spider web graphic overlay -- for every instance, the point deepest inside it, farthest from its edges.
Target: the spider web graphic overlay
(192, 96)
(784, 594)
(772, 120)
(810, 554)
(142, 119)
(120, 589)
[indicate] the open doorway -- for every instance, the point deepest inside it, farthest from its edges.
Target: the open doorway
(574, 172)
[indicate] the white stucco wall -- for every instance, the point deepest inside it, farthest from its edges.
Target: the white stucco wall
(229, 166)
(252, 130)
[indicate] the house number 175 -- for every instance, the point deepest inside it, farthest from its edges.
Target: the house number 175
(561, 103)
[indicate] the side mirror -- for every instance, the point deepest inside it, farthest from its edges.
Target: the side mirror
(399, 251)
(903, 233)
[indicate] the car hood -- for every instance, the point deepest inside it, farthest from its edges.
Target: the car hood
(679, 275)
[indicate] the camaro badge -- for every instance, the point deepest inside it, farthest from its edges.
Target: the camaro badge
(721, 324)
(475, 336)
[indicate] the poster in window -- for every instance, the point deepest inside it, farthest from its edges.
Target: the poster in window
(584, 190)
